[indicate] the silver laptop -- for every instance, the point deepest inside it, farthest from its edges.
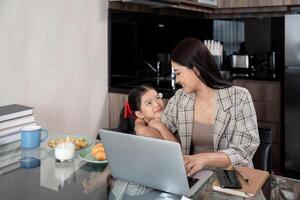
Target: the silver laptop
(150, 162)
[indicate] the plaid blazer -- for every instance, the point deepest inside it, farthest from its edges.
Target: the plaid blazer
(235, 130)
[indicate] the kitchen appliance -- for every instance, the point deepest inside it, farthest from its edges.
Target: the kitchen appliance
(240, 61)
(164, 60)
(240, 64)
(292, 93)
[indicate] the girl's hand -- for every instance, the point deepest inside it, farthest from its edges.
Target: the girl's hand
(194, 163)
(141, 128)
(156, 123)
(164, 131)
(139, 121)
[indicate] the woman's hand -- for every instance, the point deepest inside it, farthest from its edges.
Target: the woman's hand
(194, 163)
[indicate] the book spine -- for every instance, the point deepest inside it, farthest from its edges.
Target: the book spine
(7, 148)
(9, 155)
(10, 138)
(16, 115)
(16, 122)
(13, 130)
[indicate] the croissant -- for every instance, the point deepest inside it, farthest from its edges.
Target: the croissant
(98, 152)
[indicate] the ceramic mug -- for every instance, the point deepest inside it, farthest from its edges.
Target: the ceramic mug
(31, 136)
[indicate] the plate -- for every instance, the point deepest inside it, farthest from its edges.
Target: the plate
(85, 154)
(80, 142)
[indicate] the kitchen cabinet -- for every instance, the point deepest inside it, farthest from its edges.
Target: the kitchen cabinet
(115, 103)
(224, 4)
(267, 103)
(291, 2)
(238, 3)
(250, 3)
(262, 3)
(232, 3)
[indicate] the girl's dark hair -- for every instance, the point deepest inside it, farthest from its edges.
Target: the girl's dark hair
(191, 53)
(134, 101)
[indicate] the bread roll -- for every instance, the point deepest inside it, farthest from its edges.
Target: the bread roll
(98, 152)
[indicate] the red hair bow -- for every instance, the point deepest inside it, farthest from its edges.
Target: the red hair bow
(127, 110)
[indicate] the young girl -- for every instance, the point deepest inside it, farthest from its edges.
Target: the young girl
(141, 114)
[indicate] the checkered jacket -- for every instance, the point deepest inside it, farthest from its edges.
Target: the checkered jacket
(235, 130)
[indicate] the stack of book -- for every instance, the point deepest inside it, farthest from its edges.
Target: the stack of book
(12, 118)
(10, 157)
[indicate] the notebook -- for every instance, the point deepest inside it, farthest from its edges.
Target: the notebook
(256, 177)
(14, 111)
(150, 162)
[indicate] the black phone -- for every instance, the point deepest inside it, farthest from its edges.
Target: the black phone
(228, 179)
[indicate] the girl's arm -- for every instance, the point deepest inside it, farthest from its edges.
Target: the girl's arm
(156, 129)
(142, 129)
(164, 131)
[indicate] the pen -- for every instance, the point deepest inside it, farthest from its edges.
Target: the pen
(245, 178)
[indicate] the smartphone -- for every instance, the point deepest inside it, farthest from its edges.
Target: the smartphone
(228, 179)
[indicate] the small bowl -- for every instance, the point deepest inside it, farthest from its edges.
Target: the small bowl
(64, 151)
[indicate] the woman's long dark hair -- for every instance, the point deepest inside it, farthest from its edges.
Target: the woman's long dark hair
(134, 101)
(191, 53)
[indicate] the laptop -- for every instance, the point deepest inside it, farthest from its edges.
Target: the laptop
(150, 162)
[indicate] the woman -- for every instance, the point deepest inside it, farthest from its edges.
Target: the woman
(216, 122)
(141, 114)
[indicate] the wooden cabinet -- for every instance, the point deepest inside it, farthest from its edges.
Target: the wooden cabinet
(232, 3)
(224, 4)
(266, 98)
(263, 3)
(115, 104)
(239, 3)
(252, 3)
(291, 2)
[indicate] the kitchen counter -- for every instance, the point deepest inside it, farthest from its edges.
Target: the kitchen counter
(167, 86)
(164, 85)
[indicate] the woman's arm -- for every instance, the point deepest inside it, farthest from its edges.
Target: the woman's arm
(245, 138)
(194, 163)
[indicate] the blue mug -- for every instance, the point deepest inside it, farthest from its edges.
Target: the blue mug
(31, 136)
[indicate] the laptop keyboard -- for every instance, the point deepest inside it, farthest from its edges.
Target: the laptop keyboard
(192, 181)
